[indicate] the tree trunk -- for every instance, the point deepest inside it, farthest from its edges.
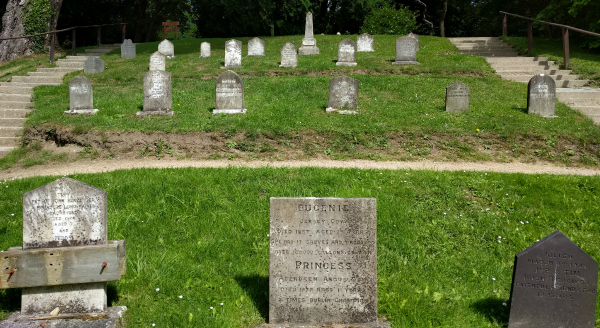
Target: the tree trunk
(424, 18)
(140, 20)
(443, 18)
(153, 21)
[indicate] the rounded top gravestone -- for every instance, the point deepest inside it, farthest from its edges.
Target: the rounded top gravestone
(233, 54)
(167, 48)
(204, 50)
(157, 61)
(256, 47)
(229, 94)
(128, 49)
(365, 43)
(346, 53)
(541, 93)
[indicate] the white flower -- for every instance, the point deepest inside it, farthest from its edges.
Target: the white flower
(517, 229)
(267, 235)
(526, 221)
(180, 296)
(211, 307)
(499, 237)
(493, 278)
(494, 291)
(157, 289)
(153, 324)
(499, 241)
(506, 194)
(522, 222)
(13, 214)
(221, 304)
(504, 303)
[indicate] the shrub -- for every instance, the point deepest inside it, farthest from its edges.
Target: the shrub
(387, 20)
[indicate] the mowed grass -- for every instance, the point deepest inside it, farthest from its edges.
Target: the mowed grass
(446, 240)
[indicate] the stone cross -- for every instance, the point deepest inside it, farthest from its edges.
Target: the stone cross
(541, 93)
(157, 61)
(233, 54)
(309, 43)
(127, 49)
(343, 93)
(365, 43)
(204, 50)
(346, 53)
(323, 262)
(81, 100)
(256, 47)
(555, 284)
(157, 94)
(458, 96)
(167, 48)
(406, 51)
(229, 94)
(93, 65)
(289, 55)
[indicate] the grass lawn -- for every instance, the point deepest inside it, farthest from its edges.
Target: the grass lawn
(446, 241)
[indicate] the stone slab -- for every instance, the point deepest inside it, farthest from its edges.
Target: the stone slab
(343, 93)
(233, 54)
(346, 53)
(406, 51)
(80, 94)
(205, 50)
(256, 47)
(365, 43)
(229, 94)
(111, 318)
(158, 62)
(157, 92)
(128, 49)
(167, 48)
(458, 97)
(289, 56)
(541, 96)
(93, 65)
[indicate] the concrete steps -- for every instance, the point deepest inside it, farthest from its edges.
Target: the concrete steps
(585, 100)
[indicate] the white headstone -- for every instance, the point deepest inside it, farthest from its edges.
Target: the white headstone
(81, 100)
(406, 51)
(365, 43)
(256, 47)
(309, 43)
(343, 94)
(289, 55)
(233, 54)
(157, 62)
(541, 96)
(167, 48)
(204, 50)
(346, 53)
(128, 49)
(229, 94)
(157, 94)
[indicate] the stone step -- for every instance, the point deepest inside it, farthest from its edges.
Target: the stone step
(36, 79)
(571, 83)
(26, 84)
(15, 105)
(51, 74)
(15, 97)
(527, 77)
(520, 59)
(9, 88)
(57, 69)
(581, 101)
(9, 141)
(485, 48)
(5, 151)
(490, 53)
(77, 58)
(70, 64)
(7, 131)
(474, 39)
(535, 71)
(93, 52)
(12, 122)
(587, 110)
(523, 66)
(577, 93)
(14, 113)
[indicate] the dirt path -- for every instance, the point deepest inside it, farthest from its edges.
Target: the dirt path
(98, 166)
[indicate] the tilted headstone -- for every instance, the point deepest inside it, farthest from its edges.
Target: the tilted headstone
(343, 93)
(127, 49)
(204, 50)
(416, 37)
(93, 65)
(406, 51)
(157, 94)
(541, 93)
(256, 47)
(309, 43)
(323, 261)
(346, 53)
(458, 96)
(81, 100)
(158, 62)
(167, 48)
(289, 55)
(554, 285)
(365, 43)
(229, 94)
(233, 54)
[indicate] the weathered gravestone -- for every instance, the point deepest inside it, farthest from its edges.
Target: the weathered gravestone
(157, 94)
(81, 100)
(66, 258)
(93, 65)
(458, 96)
(365, 43)
(309, 43)
(256, 47)
(167, 48)
(416, 37)
(233, 54)
(406, 51)
(229, 94)
(346, 53)
(158, 62)
(204, 50)
(323, 262)
(343, 93)
(127, 49)
(554, 285)
(541, 93)
(289, 55)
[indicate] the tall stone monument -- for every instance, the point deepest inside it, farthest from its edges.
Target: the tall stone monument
(406, 51)
(93, 65)
(346, 53)
(309, 43)
(365, 43)
(229, 94)
(167, 48)
(289, 55)
(158, 62)
(343, 94)
(458, 96)
(233, 54)
(541, 96)
(205, 50)
(81, 99)
(256, 47)
(127, 49)
(157, 94)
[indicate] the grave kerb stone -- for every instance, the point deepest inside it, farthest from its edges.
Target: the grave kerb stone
(458, 97)
(309, 43)
(346, 53)
(365, 43)
(229, 94)
(93, 65)
(158, 62)
(541, 96)
(205, 50)
(128, 49)
(343, 94)
(256, 47)
(233, 54)
(167, 48)
(406, 51)
(81, 99)
(289, 55)
(157, 94)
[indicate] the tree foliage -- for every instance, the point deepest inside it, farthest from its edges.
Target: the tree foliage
(388, 20)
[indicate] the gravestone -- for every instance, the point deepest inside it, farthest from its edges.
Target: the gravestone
(365, 43)
(157, 62)
(554, 285)
(406, 51)
(157, 94)
(256, 47)
(167, 48)
(541, 93)
(458, 96)
(66, 258)
(416, 37)
(229, 94)
(323, 261)
(127, 49)
(93, 65)
(289, 55)
(309, 43)
(343, 93)
(346, 53)
(233, 54)
(204, 50)
(81, 100)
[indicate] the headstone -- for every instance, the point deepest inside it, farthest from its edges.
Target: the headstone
(289, 55)
(406, 51)
(157, 62)
(256, 47)
(554, 285)
(81, 100)
(346, 53)
(541, 93)
(416, 37)
(157, 94)
(93, 65)
(309, 43)
(365, 43)
(204, 50)
(233, 54)
(343, 93)
(229, 94)
(167, 48)
(127, 49)
(323, 261)
(458, 96)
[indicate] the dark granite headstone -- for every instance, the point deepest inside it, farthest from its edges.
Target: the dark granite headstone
(554, 285)
(541, 93)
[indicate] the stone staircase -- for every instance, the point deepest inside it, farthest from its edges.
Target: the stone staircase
(585, 100)
(15, 96)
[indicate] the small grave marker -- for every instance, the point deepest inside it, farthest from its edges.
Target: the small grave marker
(365, 43)
(229, 94)
(167, 48)
(233, 54)
(406, 51)
(289, 55)
(541, 93)
(346, 53)
(309, 43)
(127, 49)
(157, 94)
(458, 96)
(343, 93)
(158, 61)
(93, 65)
(256, 47)
(81, 100)
(204, 50)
